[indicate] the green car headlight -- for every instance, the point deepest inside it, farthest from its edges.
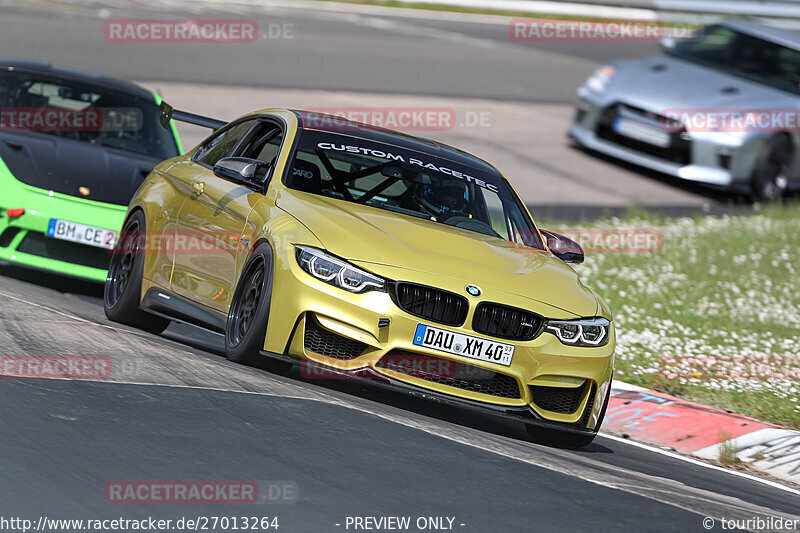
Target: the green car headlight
(589, 332)
(337, 272)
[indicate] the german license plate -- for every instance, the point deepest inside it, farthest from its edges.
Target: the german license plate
(444, 340)
(641, 132)
(80, 233)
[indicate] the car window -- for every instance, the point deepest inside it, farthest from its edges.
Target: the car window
(221, 144)
(743, 55)
(263, 143)
(411, 183)
(83, 112)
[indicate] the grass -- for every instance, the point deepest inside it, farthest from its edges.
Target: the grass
(728, 450)
(714, 317)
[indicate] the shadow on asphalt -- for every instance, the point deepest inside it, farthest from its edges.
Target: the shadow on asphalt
(54, 281)
(453, 414)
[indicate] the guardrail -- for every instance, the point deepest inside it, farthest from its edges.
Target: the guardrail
(785, 9)
(756, 8)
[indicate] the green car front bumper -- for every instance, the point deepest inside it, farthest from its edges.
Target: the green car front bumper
(24, 240)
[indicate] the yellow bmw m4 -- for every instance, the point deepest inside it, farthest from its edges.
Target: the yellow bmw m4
(357, 251)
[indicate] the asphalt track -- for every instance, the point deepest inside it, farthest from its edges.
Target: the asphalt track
(174, 409)
(330, 49)
(362, 57)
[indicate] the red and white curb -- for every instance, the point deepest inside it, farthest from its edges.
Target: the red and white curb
(699, 430)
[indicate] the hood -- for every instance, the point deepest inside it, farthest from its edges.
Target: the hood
(66, 165)
(662, 82)
(371, 235)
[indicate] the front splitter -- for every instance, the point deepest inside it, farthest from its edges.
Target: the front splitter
(525, 415)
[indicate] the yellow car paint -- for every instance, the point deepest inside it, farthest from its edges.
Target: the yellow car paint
(387, 244)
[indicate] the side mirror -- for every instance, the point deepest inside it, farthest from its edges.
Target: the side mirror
(563, 247)
(242, 170)
(668, 42)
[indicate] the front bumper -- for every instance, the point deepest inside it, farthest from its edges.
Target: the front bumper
(526, 415)
(23, 239)
(363, 329)
(717, 159)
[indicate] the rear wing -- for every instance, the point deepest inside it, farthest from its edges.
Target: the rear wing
(167, 113)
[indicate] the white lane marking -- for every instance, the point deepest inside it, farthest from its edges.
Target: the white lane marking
(699, 462)
(416, 30)
(77, 318)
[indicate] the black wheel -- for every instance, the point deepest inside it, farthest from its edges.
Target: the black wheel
(771, 175)
(249, 311)
(123, 288)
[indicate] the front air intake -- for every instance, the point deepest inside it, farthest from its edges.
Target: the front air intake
(558, 399)
(324, 342)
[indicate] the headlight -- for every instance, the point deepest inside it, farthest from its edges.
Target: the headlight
(336, 271)
(589, 332)
(598, 81)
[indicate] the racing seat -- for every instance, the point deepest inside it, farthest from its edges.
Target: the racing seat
(305, 176)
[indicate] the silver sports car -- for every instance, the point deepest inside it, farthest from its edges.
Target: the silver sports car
(721, 108)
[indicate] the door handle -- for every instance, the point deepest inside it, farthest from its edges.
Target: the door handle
(198, 187)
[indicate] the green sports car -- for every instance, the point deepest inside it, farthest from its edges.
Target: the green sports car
(74, 147)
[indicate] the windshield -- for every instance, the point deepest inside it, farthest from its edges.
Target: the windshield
(410, 183)
(743, 55)
(88, 113)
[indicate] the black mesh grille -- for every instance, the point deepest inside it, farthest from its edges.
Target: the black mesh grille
(558, 399)
(36, 243)
(587, 414)
(319, 340)
(430, 303)
(8, 235)
(506, 322)
(452, 373)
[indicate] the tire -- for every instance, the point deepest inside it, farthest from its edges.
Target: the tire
(771, 175)
(123, 288)
(246, 326)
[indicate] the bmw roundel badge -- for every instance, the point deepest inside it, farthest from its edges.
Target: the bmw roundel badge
(473, 290)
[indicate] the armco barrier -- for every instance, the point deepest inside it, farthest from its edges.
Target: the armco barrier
(756, 8)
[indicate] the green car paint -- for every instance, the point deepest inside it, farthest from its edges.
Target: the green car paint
(41, 206)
